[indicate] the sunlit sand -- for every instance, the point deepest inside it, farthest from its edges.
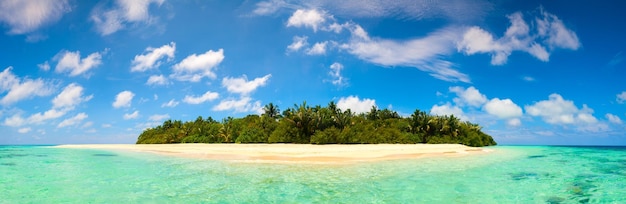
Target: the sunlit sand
(295, 153)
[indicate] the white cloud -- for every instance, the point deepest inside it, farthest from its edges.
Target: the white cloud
(335, 74)
(20, 89)
(555, 33)
(244, 104)
(49, 114)
(194, 67)
(528, 78)
(24, 130)
(208, 96)
(87, 125)
(70, 62)
(355, 104)
(14, 121)
(448, 109)
(613, 118)
(335, 27)
(242, 86)
(424, 53)
(123, 99)
(152, 58)
(514, 122)
(73, 120)
(268, 7)
(549, 34)
(470, 96)
(36, 118)
(504, 108)
(157, 80)
(106, 125)
(111, 20)
(454, 10)
(70, 97)
(311, 18)
(298, 43)
(172, 103)
(131, 116)
(44, 66)
(556, 110)
(157, 117)
(317, 49)
(27, 16)
(621, 98)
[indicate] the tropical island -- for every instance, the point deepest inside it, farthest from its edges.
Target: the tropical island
(303, 124)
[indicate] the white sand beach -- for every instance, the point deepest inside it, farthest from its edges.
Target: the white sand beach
(300, 153)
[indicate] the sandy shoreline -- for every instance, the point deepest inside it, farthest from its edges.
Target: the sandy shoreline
(300, 153)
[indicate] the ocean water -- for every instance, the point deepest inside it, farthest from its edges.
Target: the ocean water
(510, 174)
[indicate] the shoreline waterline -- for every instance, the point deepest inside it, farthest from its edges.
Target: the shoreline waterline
(295, 153)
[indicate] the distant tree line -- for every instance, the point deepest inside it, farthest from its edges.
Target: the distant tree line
(321, 125)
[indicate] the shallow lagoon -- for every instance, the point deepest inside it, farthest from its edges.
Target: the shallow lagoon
(510, 174)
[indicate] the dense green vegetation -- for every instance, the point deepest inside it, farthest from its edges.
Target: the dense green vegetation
(321, 125)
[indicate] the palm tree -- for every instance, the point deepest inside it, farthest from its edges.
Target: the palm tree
(271, 111)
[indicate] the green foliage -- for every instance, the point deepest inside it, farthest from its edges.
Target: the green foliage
(321, 125)
(252, 135)
(326, 136)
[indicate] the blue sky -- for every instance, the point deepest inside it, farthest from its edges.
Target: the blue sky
(530, 72)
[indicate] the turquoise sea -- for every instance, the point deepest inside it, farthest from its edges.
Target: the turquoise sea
(510, 174)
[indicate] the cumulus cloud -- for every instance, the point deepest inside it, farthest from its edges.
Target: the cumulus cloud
(208, 96)
(157, 80)
(242, 86)
(133, 115)
(111, 20)
(71, 62)
(549, 34)
(70, 97)
(557, 110)
(613, 118)
(298, 43)
(14, 121)
(335, 73)
(18, 89)
(36, 118)
(28, 16)
(310, 18)
(317, 49)
(423, 53)
(355, 104)
(123, 99)
(448, 109)
(153, 57)
(470, 96)
(44, 66)
(157, 117)
(195, 67)
(47, 115)
(504, 108)
(621, 98)
(243, 104)
(73, 120)
(172, 103)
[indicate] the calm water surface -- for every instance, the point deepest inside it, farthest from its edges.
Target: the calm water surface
(39, 174)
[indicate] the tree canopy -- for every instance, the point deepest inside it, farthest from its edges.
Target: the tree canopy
(321, 125)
